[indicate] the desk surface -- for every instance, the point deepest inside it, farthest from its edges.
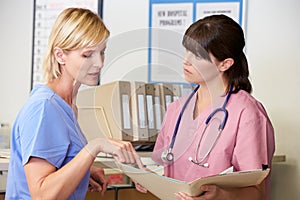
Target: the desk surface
(109, 161)
(4, 164)
(101, 161)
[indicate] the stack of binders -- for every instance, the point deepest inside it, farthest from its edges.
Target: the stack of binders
(126, 110)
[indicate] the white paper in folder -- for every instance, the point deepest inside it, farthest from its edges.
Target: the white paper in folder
(165, 188)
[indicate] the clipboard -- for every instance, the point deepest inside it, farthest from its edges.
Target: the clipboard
(165, 187)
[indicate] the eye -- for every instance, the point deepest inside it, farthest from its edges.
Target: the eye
(102, 53)
(87, 55)
(198, 57)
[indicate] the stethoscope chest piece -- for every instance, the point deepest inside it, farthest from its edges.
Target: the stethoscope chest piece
(167, 156)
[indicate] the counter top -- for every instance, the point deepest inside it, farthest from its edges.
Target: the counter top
(4, 164)
(109, 162)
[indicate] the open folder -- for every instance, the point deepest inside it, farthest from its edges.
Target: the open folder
(165, 188)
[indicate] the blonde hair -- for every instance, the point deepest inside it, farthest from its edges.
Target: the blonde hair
(74, 28)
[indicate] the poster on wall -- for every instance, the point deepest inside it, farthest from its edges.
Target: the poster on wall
(168, 20)
(45, 13)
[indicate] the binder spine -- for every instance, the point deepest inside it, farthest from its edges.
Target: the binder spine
(150, 93)
(139, 111)
(124, 96)
(158, 107)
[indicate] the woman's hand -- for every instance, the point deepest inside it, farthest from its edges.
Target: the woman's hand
(122, 151)
(211, 192)
(139, 187)
(97, 183)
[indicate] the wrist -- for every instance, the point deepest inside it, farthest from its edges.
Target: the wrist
(93, 147)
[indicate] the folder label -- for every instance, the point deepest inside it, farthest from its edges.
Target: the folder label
(157, 112)
(126, 111)
(141, 108)
(168, 99)
(150, 112)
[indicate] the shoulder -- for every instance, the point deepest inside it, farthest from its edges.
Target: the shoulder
(40, 97)
(244, 103)
(41, 92)
(40, 102)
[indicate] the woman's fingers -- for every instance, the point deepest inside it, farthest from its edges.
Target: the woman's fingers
(122, 151)
(128, 153)
(125, 153)
(94, 186)
(139, 187)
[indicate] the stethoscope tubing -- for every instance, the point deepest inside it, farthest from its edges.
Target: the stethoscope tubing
(222, 109)
(169, 155)
(180, 116)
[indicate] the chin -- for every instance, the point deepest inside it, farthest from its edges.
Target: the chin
(91, 83)
(189, 80)
(94, 84)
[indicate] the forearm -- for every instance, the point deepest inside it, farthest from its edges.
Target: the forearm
(62, 183)
(45, 182)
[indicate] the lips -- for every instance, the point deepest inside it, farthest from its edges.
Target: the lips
(94, 74)
(186, 71)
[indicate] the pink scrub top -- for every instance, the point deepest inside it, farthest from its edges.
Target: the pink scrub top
(246, 143)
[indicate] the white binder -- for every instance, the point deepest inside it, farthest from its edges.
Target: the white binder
(158, 107)
(166, 95)
(139, 111)
(150, 102)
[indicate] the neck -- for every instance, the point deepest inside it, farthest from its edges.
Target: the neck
(206, 95)
(67, 90)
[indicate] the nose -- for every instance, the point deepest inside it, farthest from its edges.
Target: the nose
(186, 62)
(98, 61)
(187, 58)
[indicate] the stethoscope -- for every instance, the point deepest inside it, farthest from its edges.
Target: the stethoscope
(168, 155)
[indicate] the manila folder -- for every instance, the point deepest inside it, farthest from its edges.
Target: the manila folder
(165, 187)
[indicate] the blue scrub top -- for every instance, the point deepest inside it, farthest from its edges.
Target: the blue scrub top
(46, 127)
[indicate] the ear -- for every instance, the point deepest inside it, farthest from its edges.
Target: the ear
(226, 64)
(59, 55)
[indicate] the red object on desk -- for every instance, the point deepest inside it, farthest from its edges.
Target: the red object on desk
(115, 178)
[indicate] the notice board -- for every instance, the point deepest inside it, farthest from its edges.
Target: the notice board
(45, 13)
(168, 20)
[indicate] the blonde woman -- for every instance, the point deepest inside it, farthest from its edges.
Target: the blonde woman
(50, 157)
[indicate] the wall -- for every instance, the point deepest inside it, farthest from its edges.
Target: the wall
(272, 47)
(15, 55)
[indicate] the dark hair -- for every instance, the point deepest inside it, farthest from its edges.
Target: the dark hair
(223, 38)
